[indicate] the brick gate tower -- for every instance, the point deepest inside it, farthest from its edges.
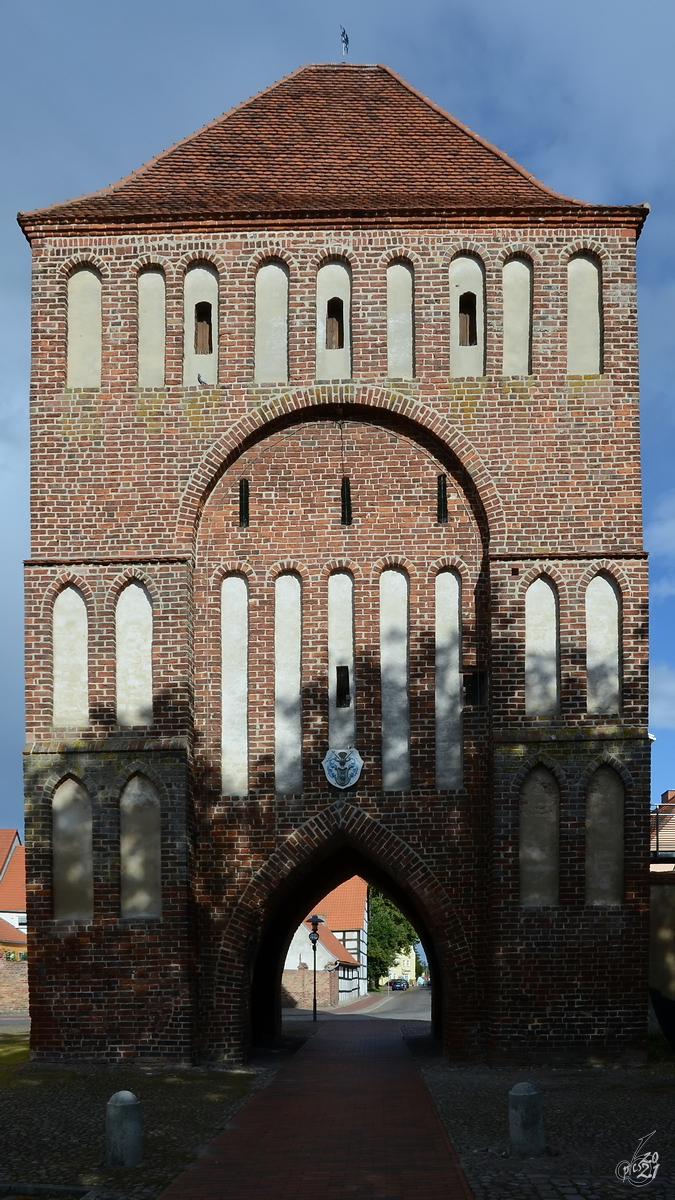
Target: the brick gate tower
(336, 569)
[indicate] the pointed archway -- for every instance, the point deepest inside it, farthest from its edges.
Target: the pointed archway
(341, 841)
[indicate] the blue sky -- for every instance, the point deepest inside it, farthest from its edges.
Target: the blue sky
(581, 94)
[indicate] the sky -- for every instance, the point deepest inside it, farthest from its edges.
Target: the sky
(579, 93)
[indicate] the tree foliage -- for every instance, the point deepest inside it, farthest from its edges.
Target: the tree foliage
(389, 933)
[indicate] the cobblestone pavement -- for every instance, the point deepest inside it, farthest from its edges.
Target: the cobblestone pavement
(593, 1118)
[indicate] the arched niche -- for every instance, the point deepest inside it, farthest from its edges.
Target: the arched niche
(200, 337)
(133, 643)
(70, 660)
(448, 680)
(72, 853)
(467, 317)
(538, 849)
(603, 647)
(151, 327)
(541, 648)
(605, 798)
(333, 321)
(84, 328)
(394, 679)
(271, 323)
(288, 684)
(140, 850)
(517, 316)
(234, 665)
(584, 316)
(400, 321)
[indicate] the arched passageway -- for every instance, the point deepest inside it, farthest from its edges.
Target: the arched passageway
(301, 896)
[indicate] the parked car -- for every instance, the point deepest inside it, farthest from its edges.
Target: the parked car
(399, 985)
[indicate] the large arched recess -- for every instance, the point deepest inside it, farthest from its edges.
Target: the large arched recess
(421, 423)
(341, 841)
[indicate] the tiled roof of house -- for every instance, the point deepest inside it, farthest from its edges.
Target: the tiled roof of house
(329, 140)
(13, 883)
(8, 839)
(345, 907)
(333, 946)
(9, 933)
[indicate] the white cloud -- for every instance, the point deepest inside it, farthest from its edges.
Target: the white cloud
(662, 697)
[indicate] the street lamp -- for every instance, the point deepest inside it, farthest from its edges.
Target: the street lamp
(314, 937)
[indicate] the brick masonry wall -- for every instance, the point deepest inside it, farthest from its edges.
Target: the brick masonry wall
(13, 987)
(543, 475)
(297, 989)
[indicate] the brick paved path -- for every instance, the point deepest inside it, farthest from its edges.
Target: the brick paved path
(348, 1116)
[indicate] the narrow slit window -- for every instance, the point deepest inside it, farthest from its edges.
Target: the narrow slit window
(442, 500)
(346, 496)
(203, 328)
(335, 324)
(342, 695)
(468, 329)
(243, 503)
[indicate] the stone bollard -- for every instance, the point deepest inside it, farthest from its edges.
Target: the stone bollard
(123, 1131)
(526, 1124)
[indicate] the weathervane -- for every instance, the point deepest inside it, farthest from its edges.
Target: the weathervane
(344, 38)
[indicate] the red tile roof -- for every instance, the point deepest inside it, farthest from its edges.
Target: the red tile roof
(333, 946)
(345, 907)
(329, 140)
(8, 839)
(13, 883)
(9, 933)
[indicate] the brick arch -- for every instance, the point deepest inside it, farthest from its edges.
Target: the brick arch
(64, 579)
(334, 252)
(272, 253)
(611, 570)
(355, 402)
(519, 250)
(605, 759)
(132, 574)
(132, 769)
(401, 252)
(538, 760)
(300, 865)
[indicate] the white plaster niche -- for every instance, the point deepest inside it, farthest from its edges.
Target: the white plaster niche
(341, 689)
(140, 849)
(604, 838)
(333, 321)
(133, 642)
(234, 652)
(603, 683)
(394, 680)
(517, 313)
(539, 839)
(151, 327)
(72, 853)
(84, 328)
(541, 649)
(288, 684)
(584, 316)
(70, 658)
(200, 344)
(400, 321)
(448, 682)
(467, 318)
(271, 323)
